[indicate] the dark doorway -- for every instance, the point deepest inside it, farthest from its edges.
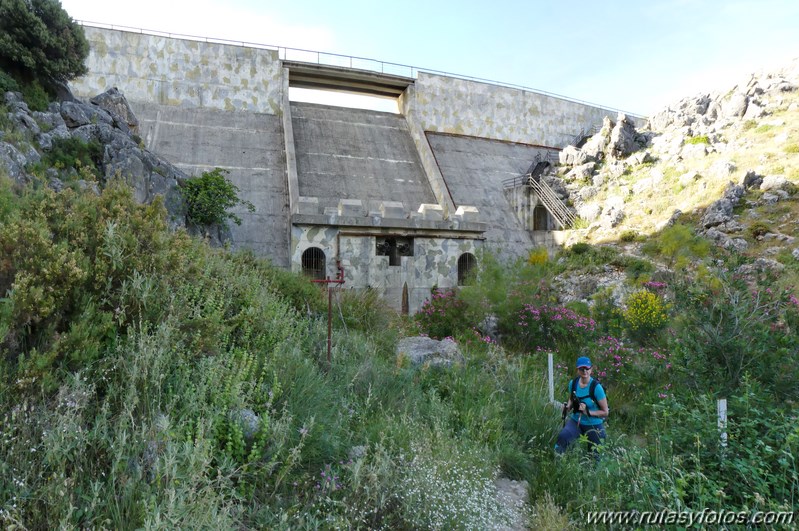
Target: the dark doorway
(313, 263)
(540, 218)
(466, 263)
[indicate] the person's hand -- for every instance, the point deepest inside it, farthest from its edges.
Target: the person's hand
(583, 408)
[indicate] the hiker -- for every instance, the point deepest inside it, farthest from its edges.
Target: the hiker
(588, 406)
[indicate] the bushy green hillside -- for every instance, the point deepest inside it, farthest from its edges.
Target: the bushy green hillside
(150, 381)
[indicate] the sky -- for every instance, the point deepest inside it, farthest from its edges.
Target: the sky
(636, 56)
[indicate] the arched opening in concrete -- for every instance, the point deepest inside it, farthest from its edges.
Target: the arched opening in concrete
(466, 263)
(540, 218)
(313, 263)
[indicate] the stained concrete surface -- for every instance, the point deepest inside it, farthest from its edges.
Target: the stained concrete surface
(474, 169)
(357, 154)
(249, 145)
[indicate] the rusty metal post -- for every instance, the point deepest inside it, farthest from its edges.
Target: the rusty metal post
(329, 323)
(327, 281)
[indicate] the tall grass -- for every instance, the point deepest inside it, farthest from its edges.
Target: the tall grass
(151, 382)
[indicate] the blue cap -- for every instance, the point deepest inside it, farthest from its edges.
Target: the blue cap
(583, 361)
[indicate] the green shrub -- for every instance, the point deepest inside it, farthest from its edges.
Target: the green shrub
(637, 268)
(700, 139)
(586, 257)
(791, 149)
(580, 248)
(678, 245)
(728, 328)
(7, 83)
(35, 95)
(749, 124)
(580, 223)
(209, 197)
(608, 317)
(628, 236)
(699, 471)
(758, 228)
(73, 152)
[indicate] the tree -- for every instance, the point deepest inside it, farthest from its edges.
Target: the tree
(209, 197)
(39, 41)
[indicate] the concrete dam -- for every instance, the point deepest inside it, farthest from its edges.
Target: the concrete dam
(399, 203)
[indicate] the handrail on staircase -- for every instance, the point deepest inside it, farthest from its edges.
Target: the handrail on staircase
(551, 202)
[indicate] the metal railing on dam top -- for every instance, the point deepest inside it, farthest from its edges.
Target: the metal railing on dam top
(346, 61)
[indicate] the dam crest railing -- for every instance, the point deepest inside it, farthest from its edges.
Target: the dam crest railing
(346, 61)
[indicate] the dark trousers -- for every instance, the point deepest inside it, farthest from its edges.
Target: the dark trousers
(571, 432)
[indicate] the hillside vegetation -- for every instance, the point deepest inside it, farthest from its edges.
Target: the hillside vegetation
(150, 381)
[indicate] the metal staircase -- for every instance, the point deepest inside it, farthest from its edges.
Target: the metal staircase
(547, 196)
(551, 202)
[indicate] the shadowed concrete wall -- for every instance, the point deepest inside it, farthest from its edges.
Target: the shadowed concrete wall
(205, 105)
(357, 154)
(249, 146)
(474, 169)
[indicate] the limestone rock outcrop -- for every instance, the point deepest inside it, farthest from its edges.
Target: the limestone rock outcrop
(107, 120)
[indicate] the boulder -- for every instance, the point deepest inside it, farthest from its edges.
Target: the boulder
(76, 114)
(760, 265)
(717, 213)
(687, 179)
(557, 186)
(14, 161)
(596, 146)
(733, 192)
(641, 157)
(424, 350)
(622, 138)
(738, 245)
(775, 182)
(735, 106)
(675, 217)
(248, 421)
(587, 192)
(581, 172)
(613, 216)
(752, 180)
(572, 156)
(117, 105)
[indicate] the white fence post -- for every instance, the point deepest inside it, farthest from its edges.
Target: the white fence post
(721, 408)
(551, 378)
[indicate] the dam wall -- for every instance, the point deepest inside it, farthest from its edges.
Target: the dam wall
(457, 106)
(401, 202)
(181, 73)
